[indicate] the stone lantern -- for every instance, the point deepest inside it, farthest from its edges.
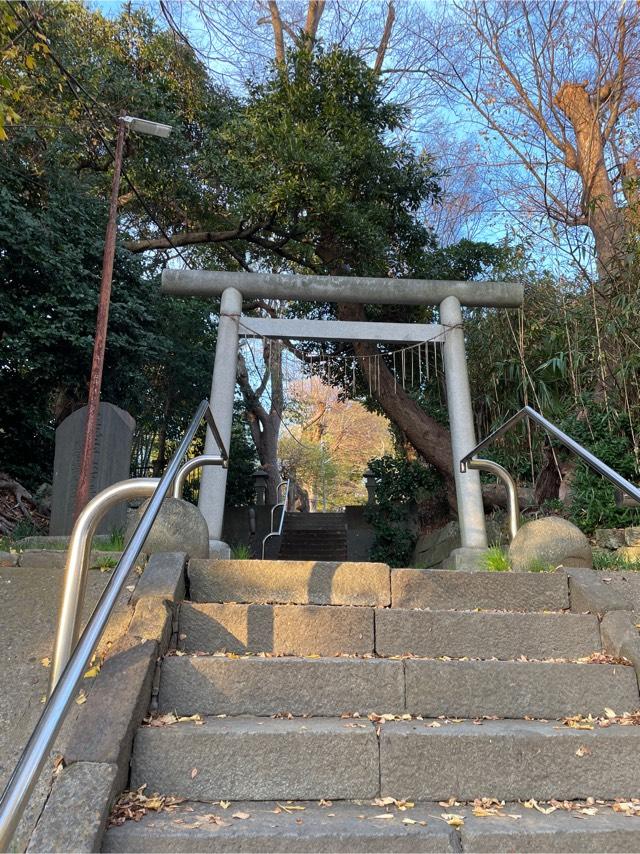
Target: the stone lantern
(370, 483)
(260, 479)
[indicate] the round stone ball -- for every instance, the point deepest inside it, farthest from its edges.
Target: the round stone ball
(179, 527)
(551, 541)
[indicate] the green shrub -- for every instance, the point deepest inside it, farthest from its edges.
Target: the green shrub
(400, 485)
(609, 437)
(496, 560)
(241, 552)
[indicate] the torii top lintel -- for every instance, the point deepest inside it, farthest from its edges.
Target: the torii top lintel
(344, 289)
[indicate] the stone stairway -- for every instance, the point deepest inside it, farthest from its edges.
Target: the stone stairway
(314, 536)
(336, 704)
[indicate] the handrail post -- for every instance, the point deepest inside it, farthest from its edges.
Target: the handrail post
(77, 566)
(499, 471)
(191, 465)
(283, 504)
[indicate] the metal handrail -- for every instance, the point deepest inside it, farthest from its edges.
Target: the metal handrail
(590, 459)
(191, 465)
(77, 566)
(34, 755)
(499, 471)
(283, 504)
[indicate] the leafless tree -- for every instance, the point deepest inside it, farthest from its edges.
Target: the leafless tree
(552, 89)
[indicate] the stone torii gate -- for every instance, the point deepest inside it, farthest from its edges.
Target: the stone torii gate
(449, 296)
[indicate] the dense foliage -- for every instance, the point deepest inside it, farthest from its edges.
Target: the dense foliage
(402, 486)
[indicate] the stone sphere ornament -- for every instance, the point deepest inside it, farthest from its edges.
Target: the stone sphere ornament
(179, 527)
(551, 541)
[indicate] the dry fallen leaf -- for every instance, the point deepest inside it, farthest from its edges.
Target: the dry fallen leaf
(583, 751)
(45, 662)
(194, 772)
(241, 815)
(452, 819)
(383, 815)
(225, 804)
(81, 698)
(609, 713)
(409, 821)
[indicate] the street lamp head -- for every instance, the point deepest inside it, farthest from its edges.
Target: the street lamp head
(146, 127)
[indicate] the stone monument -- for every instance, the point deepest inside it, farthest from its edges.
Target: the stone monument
(111, 463)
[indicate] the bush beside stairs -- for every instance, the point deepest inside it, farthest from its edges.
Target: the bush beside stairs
(318, 706)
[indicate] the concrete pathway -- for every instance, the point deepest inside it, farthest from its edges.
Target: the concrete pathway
(29, 600)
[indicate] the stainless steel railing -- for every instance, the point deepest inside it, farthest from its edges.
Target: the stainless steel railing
(191, 465)
(73, 658)
(277, 532)
(471, 461)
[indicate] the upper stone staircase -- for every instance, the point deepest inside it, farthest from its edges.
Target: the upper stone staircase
(336, 704)
(314, 536)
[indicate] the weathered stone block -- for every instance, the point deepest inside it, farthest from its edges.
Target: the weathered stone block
(76, 812)
(281, 629)
(599, 592)
(510, 760)
(163, 577)
(445, 589)
(152, 620)
(8, 558)
(559, 832)
(514, 689)
(289, 582)
(268, 686)
(432, 634)
(103, 730)
(258, 759)
(620, 636)
(632, 537)
(609, 538)
(111, 463)
(339, 828)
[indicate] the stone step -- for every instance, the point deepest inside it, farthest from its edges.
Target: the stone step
(308, 827)
(459, 590)
(258, 759)
(289, 582)
(268, 686)
(347, 827)
(508, 760)
(485, 634)
(331, 758)
(278, 629)
(212, 685)
(306, 549)
(309, 521)
(516, 689)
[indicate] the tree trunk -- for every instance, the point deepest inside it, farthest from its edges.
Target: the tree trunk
(265, 426)
(604, 217)
(158, 464)
(428, 437)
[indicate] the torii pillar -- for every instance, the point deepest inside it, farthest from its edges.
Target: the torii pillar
(448, 295)
(213, 480)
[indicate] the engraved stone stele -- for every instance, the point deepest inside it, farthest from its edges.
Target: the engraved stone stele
(111, 463)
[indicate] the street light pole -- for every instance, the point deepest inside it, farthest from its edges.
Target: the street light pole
(97, 363)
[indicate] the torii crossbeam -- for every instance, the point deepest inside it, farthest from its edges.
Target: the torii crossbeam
(449, 296)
